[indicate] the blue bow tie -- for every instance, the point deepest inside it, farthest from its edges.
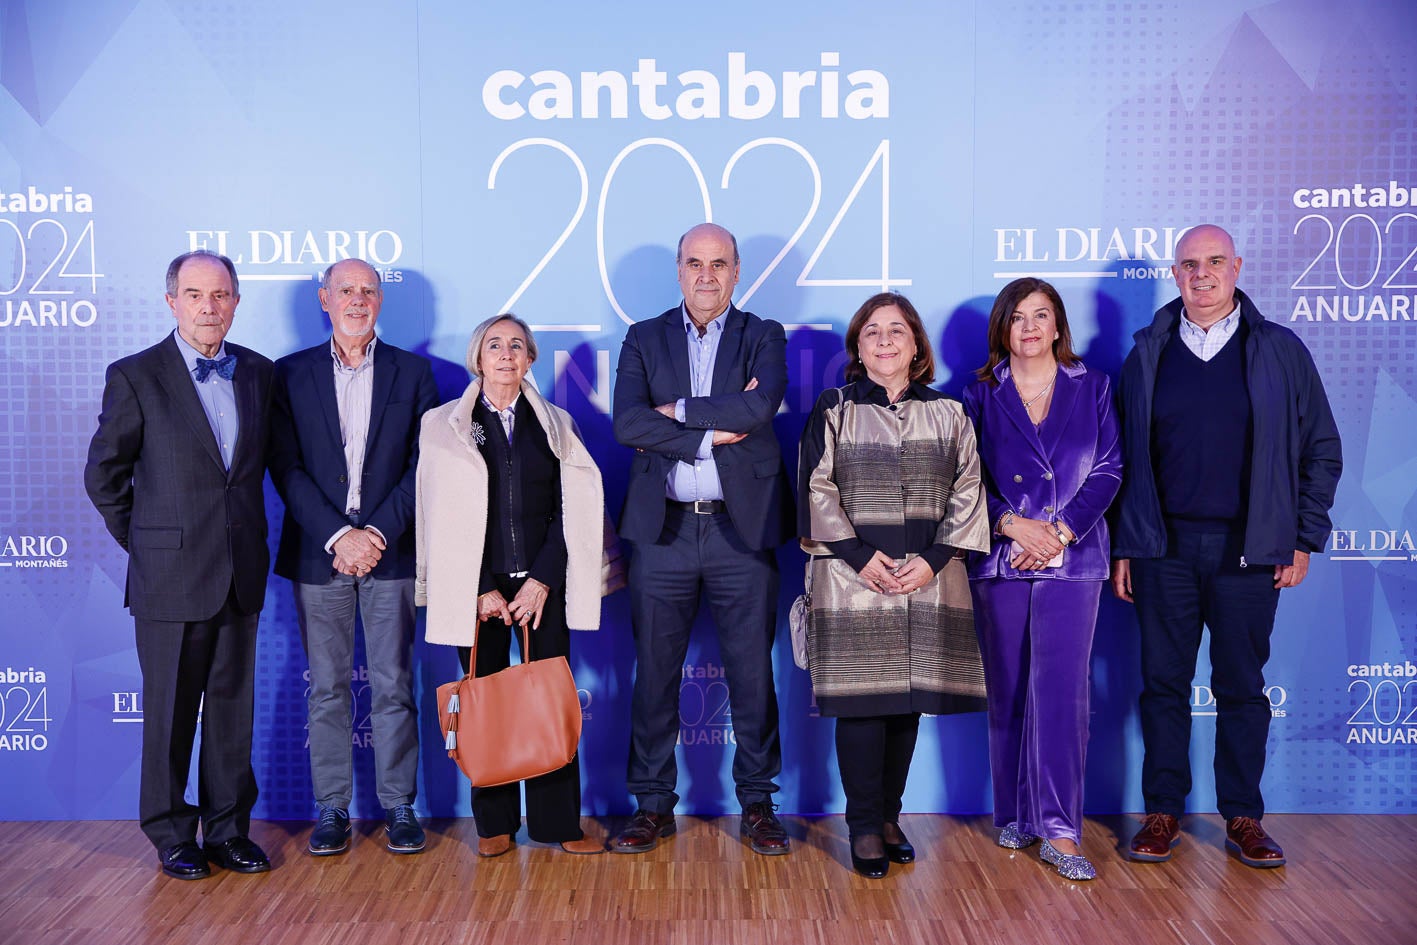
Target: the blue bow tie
(225, 367)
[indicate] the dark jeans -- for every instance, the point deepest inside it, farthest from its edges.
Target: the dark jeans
(1200, 582)
(701, 557)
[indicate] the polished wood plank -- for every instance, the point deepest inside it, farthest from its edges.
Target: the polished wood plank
(1349, 882)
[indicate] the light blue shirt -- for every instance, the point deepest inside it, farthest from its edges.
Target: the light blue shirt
(354, 399)
(508, 416)
(1207, 344)
(218, 397)
(688, 482)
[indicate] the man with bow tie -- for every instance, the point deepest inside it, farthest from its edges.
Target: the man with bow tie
(175, 469)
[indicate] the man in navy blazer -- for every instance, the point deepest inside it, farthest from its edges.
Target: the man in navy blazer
(344, 443)
(708, 500)
(176, 470)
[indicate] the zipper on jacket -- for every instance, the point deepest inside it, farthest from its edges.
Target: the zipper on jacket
(511, 497)
(1243, 562)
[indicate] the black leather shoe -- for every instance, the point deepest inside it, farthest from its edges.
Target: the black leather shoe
(901, 852)
(239, 854)
(871, 867)
(184, 860)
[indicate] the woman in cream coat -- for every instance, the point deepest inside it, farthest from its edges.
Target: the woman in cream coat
(510, 522)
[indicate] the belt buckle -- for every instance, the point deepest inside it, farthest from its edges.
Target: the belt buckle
(703, 506)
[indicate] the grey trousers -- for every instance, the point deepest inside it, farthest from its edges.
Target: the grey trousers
(327, 616)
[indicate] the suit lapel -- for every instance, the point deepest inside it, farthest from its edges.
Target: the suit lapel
(385, 374)
(1006, 400)
(678, 351)
(1065, 397)
(728, 345)
(173, 376)
(322, 379)
(247, 411)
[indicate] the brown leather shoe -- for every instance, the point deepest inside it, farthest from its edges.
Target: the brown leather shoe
(585, 846)
(764, 831)
(1158, 834)
(643, 831)
(1247, 840)
(494, 846)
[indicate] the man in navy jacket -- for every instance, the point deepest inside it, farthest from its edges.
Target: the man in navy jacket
(1232, 459)
(708, 500)
(344, 443)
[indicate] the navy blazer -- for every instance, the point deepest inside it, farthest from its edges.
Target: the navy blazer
(309, 469)
(194, 529)
(1067, 472)
(654, 370)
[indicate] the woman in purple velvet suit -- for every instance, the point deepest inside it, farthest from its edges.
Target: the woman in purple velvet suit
(1049, 446)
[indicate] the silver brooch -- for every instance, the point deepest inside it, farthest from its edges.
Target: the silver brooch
(478, 434)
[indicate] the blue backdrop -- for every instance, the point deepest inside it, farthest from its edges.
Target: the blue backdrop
(544, 157)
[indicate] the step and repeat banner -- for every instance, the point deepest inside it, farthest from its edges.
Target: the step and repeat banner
(543, 158)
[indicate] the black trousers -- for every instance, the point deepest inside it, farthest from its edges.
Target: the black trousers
(873, 753)
(1200, 582)
(204, 667)
(553, 801)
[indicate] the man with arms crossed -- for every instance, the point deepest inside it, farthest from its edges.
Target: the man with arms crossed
(176, 470)
(708, 500)
(1232, 459)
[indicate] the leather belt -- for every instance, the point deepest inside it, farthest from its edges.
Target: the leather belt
(700, 506)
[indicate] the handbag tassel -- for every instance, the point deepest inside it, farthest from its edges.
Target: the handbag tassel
(450, 741)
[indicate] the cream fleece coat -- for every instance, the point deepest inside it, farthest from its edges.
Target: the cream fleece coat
(451, 517)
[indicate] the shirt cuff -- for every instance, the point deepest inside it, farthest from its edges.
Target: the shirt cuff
(330, 545)
(679, 413)
(371, 528)
(705, 446)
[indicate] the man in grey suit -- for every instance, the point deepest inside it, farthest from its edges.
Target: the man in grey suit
(344, 443)
(176, 469)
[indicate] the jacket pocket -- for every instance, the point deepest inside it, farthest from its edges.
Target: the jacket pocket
(170, 538)
(766, 468)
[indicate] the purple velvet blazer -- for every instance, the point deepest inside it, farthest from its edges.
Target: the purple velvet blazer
(1067, 471)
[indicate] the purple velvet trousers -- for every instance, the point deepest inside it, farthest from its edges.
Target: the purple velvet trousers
(1036, 640)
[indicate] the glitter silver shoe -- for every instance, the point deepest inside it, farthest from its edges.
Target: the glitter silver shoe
(1069, 865)
(1012, 838)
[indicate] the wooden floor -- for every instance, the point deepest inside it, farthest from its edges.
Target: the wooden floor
(1350, 880)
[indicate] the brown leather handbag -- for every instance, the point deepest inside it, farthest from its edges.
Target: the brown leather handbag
(519, 723)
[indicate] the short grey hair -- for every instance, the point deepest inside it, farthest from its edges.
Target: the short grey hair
(175, 267)
(330, 271)
(474, 346)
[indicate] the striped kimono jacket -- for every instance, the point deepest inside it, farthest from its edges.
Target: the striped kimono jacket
(904, 479)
